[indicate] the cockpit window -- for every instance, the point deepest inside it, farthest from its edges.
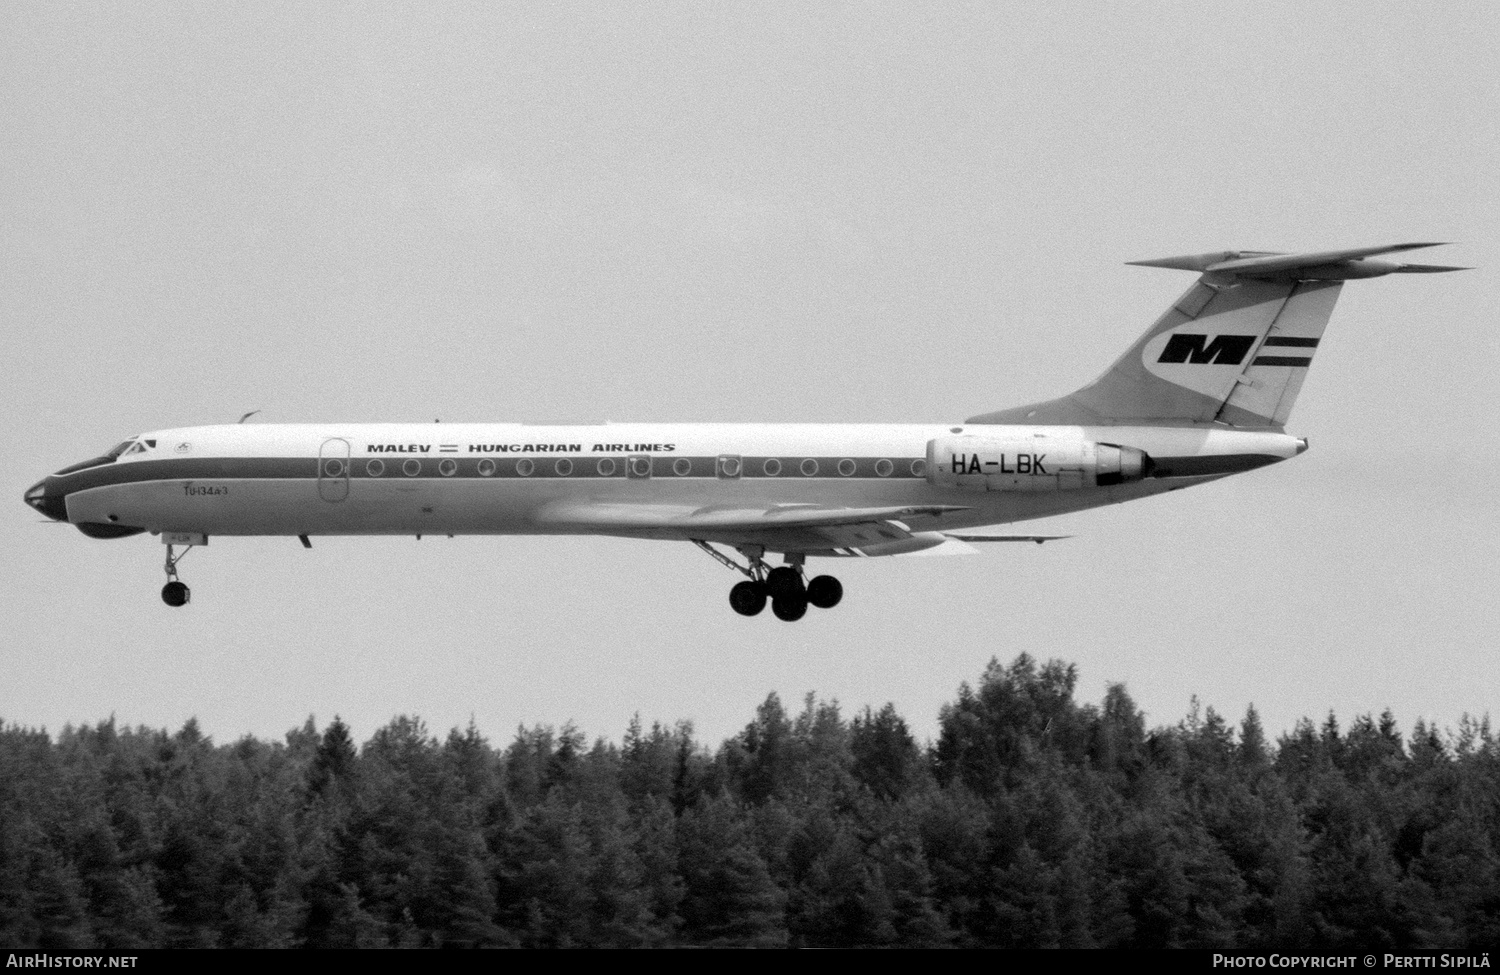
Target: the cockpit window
(135, 445)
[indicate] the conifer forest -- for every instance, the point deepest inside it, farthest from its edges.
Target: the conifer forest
(1032, 820)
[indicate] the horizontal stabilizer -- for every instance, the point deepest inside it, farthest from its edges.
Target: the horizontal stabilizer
(1340, 265)
(1200, 262)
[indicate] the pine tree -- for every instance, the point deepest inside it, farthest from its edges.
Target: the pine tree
(887, 760)
(1252, 752)
(334, 763)
(729, 898)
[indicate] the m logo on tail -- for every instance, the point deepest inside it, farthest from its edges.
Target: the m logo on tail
(1224, 350)
(1206, 358)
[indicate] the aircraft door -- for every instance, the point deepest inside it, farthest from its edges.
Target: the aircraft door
(333, 469)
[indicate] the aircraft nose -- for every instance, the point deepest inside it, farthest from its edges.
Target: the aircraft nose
(47, 502)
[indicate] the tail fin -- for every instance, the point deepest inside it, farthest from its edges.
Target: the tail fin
(1234, 349)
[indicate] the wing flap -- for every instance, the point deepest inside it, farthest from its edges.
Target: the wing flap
(867, 534)
(1039, 539)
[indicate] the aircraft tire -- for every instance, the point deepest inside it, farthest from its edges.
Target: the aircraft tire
(789, 608)
(825, 592)
(748, 598)
(784, 581)
(176, 593)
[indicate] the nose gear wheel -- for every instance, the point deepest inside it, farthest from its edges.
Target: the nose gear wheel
(175, 592)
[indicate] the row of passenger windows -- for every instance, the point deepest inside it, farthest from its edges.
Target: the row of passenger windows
(638, 467)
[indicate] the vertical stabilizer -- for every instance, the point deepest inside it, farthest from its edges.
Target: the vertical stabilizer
(1233, 349)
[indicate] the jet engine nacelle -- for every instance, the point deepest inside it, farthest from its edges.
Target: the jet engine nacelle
(1036, 463)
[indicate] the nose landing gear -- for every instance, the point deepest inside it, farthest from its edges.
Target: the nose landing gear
(785, 586)
(175, 592)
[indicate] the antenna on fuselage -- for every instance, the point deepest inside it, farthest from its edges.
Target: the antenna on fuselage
(248, 415)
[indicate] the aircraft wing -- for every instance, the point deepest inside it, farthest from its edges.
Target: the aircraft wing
(779, 527)
(1039, 539)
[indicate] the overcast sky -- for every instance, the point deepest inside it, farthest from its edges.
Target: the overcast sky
(716, 212)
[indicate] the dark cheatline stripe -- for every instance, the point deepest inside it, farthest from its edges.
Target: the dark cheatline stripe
(1281, 360)
(191, 469)
(84, 465)
(663, 467)
(544, 468)
(1291, 341)
(1199, 466)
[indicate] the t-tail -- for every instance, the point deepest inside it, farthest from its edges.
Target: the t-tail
(1233, 350)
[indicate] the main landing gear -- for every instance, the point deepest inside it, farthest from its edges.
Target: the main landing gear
(175, 592)
(786, 586)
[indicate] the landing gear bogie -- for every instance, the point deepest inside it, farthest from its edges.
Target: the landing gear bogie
(785, 587)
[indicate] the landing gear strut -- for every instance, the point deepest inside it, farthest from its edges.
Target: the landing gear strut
(785, 587)
(175, 592)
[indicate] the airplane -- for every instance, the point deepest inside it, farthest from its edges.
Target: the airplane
(1204, 393)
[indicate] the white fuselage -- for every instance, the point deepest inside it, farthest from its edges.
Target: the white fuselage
(398, 479)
